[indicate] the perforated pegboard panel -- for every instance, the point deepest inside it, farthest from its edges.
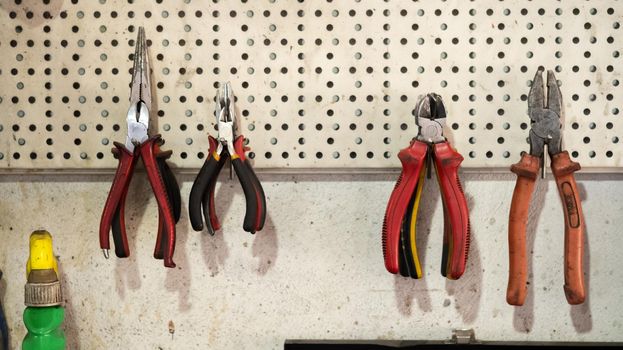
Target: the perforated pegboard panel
(327, 84)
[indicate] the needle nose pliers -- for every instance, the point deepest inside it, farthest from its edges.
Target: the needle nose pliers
(545, 131)
(232, 146)
(399, 227)
(139, 144)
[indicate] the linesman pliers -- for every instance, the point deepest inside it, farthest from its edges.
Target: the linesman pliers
(399, 227)
(226, 145)
(139, 144)
(545, 130)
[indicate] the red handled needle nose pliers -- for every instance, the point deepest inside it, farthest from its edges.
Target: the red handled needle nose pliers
(139, 144)
(545, 130)
(399, 227)
(226, 145)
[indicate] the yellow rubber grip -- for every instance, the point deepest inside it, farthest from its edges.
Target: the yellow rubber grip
(413, 226)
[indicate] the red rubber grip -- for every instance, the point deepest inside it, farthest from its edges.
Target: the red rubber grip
(116, 200)
(413, 159)
(149, 149)
(239, 147)
(253, 223)
(456, 214)
(214, 223)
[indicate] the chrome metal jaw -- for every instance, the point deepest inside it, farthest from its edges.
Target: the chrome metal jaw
(225, 134)
(141, 72)
(226, 118)
(545, 115)
(430, 116)
(138, 124)
(140, 95)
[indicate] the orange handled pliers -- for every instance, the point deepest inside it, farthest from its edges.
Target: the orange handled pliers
(399, 227)
(545, 119)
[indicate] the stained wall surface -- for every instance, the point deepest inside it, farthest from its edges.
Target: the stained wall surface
(316, 270)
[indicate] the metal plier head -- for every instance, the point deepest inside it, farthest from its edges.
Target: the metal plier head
(545, 115)
(140, 95)
(430, 116)
(226, 119)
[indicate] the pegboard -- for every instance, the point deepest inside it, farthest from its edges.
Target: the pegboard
(320, 84)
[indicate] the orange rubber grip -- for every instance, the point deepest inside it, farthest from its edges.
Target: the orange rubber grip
(527, 171)
(563, 169)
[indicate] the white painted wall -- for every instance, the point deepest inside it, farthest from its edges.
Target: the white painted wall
(316, 271)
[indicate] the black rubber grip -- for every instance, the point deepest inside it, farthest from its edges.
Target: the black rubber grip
(447, 237)
(117, 230)
(173, 189)
(208, 198)
(260, 191)
(405, 236)
(173, 196)
(403, 264)
(250, 194)
(207, 172)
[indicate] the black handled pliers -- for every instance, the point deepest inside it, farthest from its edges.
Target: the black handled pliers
(226, 145)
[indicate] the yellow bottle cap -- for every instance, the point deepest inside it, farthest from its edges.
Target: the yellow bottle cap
(43, 287)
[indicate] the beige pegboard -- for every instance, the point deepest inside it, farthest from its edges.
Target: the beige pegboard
(320, 84)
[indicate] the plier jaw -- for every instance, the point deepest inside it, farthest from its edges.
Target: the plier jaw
(545, 115)
(140, 95)
(225, 119)
(430, 117)
(138, 125)
(140, 90)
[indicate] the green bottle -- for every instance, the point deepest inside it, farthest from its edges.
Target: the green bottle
(44, 313)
